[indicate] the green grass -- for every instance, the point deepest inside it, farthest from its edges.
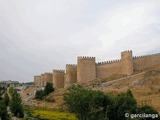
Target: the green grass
(52, 115)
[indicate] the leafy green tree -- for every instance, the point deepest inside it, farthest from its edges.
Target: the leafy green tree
(2, 91)
(148, 110)
(11, 90)
(3, 110)
(48, 88)
(94, 105)
(39, 94)
(15, 104)
(86, 104)
(123, 103)
(6, 99)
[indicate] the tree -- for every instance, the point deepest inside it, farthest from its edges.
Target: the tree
(15, 104)
(48, 88)
(148, 110)
(94, 105)
(39, 94)
(122, 103)
(6, 99)
(2, 91)
(86, 104)
(3, 110)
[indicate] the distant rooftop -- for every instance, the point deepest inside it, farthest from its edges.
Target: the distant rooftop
(9, 82)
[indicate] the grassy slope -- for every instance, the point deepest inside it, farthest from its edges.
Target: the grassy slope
(52, 115)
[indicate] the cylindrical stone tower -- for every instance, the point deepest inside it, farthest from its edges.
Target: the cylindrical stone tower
(71, 75)
(37, 80)
(86, 70)
(127, 62)
(47, 78)
(42, 80)
(58, 78)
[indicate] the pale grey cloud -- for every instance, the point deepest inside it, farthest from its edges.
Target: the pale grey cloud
(41, 35)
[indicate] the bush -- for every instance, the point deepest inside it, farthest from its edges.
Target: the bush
(48, 88)
(15, 104)
(148, 110)
(94, 105)
(40, 94)
(6, 99)
(86, 104)
(122, 103)
(3, 110)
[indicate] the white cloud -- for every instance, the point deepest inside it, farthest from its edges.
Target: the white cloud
(38, 36)
(122, 25)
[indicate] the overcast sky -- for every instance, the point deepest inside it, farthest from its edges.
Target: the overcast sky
(37, 36)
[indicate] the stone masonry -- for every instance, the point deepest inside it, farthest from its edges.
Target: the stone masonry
(88, 70)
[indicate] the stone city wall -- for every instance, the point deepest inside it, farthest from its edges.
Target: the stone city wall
(71, 75)
(87, 69)
(105, 69)
(58, 78)
(47, 78)
(142, 62)
(37, 80)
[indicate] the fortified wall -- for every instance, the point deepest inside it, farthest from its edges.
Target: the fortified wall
(37, 80)
(71, 75)
(58, 78)
(88, 70)
(42, 79)
(47, 78)
(120, 66)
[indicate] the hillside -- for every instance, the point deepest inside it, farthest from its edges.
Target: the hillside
(144, 84)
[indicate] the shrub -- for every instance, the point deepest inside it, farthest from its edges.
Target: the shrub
(94, 105)
(148, 110)
(15, 104)
(122, 103)
(40, 94)
(3, 110)
(6, 99)
(86, 104)
(48, 88)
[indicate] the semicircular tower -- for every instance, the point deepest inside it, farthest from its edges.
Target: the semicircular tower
(58, 78)
(127, 62)
(86, 69)
(71, 75)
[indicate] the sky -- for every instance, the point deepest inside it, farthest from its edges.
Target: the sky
(37, 36)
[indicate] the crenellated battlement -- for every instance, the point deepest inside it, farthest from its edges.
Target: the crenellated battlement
(47, 73)
(85, 57)
(37, 76)
(108, 62)
(87, 69)
(37, 80)
(127, 51)
(136, 57)
(71, 65)
(58, 78)
(71, 75)
(58, 71)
